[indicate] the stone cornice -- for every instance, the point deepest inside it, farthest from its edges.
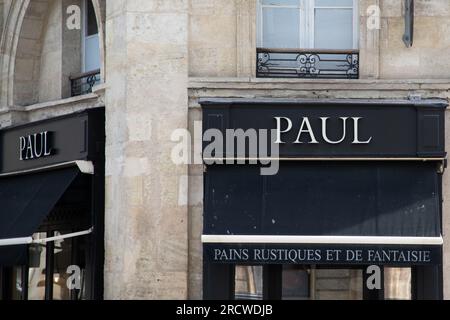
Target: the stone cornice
(320, 84)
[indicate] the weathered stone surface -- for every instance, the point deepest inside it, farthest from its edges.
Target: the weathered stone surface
(432, 8)
(155, 49)
(212, 38)
(391, 8)
(153, 207)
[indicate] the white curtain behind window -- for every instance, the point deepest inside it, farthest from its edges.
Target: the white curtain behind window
(333, 24)
(320, 24)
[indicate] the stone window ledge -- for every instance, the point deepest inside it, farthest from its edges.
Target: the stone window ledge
(319, 84)
(46, 110)
(62, 102)
(68, 102)
(87, 100)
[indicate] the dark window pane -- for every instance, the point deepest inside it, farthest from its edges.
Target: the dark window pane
(92, 27)
(295, 283)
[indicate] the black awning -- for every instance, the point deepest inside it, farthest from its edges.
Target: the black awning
(378, 199)
(25, 201)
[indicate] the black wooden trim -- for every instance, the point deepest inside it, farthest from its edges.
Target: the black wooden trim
(373, 294)
(25, 277)
(98, 236)
(6, 287)
(49, 267)
(218, 281)
(273, 282)
(427, 283)
(75, 261)
(228, 102)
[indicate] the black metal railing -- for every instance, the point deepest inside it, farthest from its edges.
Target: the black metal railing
(307, 63)
(84, 82)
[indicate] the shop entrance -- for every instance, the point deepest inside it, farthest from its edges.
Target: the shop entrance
(291, 282)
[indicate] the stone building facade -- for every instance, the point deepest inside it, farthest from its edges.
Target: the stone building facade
(157, 59)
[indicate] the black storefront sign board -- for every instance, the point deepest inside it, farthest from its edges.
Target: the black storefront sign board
(333, 254)
(53, 141)
(380, 128)
(362, 198)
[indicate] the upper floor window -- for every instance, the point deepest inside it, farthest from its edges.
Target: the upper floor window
(308, 38)
(319, 24)
(91, 44)
(84, 82)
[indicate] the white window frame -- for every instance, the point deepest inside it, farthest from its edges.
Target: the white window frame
(307, 16)
(260, 17)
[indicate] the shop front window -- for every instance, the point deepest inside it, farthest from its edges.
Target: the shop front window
(296, 283)
(63, 279)
(36, 280)
(397, 283)
(248, 283)
(68, 259)
(321, 283)
(337, 284)
(302, 282)
(17, 285)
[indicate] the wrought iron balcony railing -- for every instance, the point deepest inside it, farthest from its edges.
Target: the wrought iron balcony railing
(84, 82)
(307, 63)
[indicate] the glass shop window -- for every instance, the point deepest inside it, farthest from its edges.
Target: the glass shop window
(308, 24)
(310, 283)
(249, 283)
(296, 283)
(68, 253)
(38, 280)
(397, 283)
(36, 271)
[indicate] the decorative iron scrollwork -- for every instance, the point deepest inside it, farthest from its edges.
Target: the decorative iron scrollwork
(83, 83)
(279, 63)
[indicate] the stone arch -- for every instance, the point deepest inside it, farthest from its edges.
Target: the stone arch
(21, 48)
(28, 53)
(9, 41)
